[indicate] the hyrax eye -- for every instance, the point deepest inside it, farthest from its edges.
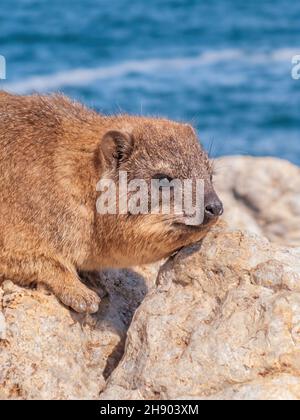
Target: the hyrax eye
(162, 177)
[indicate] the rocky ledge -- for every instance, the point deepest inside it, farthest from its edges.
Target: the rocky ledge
(261, 195)
(221, 320)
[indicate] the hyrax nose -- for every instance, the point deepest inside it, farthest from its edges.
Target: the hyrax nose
(214, 208)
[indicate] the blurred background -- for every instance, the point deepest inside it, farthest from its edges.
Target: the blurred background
(224, 66)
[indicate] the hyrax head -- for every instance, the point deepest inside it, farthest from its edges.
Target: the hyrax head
(164, 195)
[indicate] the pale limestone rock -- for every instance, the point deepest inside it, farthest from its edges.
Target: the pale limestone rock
(279, 387)
(2, 327)
(49, 352)
(261, 195)
(223, 323)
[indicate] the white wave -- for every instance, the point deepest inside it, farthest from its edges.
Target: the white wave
(84, 76)
(285, 54)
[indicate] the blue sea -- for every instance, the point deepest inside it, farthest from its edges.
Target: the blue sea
(224, 66)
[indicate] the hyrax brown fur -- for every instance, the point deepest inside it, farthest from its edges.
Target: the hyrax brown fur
(53, 152)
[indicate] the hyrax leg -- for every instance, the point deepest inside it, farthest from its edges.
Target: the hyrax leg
(63, 282)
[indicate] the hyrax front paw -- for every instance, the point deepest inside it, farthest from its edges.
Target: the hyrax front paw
(82, 300)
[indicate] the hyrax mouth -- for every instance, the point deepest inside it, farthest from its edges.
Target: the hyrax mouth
(192, 227)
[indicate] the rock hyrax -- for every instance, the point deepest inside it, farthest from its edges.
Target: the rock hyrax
(53, 152)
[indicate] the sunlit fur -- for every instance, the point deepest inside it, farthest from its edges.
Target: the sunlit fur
(51, 159)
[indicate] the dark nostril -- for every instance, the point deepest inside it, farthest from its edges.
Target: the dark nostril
(214, 209)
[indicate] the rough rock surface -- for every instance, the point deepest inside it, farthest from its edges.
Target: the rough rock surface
(261, 195)
(223, 323)
(49, 352)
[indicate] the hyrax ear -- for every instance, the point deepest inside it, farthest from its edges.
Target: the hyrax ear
(116, 147)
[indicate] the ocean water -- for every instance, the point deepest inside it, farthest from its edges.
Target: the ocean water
(224, 66)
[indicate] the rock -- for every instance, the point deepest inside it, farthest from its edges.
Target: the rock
(261, 195)
(223, 323)
(49, 352)
(2, 327)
